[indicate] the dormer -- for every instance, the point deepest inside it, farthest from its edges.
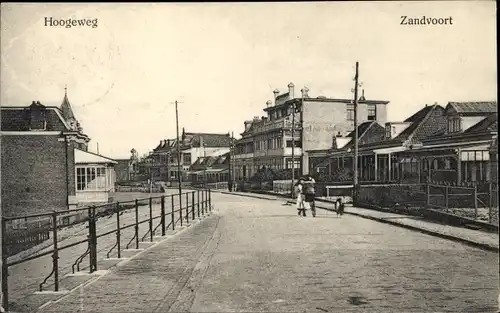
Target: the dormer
(463, 115)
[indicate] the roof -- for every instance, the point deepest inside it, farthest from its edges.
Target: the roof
(474, 107)
(18, 118)
(85, 157)
(364, 129)
(66, 108)
(488, 124)
(207, 139)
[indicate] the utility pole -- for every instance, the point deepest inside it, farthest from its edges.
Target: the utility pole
(179, 179)
(231, 148)
(293, 150)
(355, 159)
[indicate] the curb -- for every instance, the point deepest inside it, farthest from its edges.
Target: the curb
(248, 196)
(423, 230)
(381, 220)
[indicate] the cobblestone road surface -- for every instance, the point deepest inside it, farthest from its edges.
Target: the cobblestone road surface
(259, 256)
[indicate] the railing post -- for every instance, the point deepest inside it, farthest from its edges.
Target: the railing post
(180, 207)
(118, 235)
(94, 241)
(172, 214)
(150, 219)
(163, 215)
(428, 193)
(210, 200)
(198, 202)
(136, 224)
(55, 254)
(203, 202)
(446, 196)
(192, 205)
(490, 201)
(474, 198)
(5, 268)
(187, 208)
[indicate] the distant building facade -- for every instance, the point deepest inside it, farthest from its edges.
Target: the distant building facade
(268, 141)
(192, 146)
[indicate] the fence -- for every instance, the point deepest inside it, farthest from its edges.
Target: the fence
(183, 208)
(477, 201)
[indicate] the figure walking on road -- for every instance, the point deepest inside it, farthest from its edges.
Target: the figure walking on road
(299, 192)
(310, 193)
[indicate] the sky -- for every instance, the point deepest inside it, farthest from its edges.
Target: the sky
(222, 61)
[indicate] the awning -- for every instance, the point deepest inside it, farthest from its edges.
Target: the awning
(464, 146)
(84, 157)
(390, 150)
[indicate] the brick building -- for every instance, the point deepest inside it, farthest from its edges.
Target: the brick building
(268, 141)
(40, 146)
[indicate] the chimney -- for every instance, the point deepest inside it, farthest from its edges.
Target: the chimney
(362, 98)
(37, 116)
(304, 92)
(247, 125)
(268, 103)
(291, 89)
(276, 93)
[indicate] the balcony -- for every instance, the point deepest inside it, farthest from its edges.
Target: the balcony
(278, 152)
(275, 125)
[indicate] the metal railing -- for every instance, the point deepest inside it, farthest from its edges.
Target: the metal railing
(195, 204)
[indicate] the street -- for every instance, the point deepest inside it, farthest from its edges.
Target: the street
(258, 255)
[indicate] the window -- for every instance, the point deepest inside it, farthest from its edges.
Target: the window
(92, 179)
(187, 159)
(454, 125)
(296, 163)
(270, 144)
(350, 112)
(372, 112)
(289, 144)
(388, 131)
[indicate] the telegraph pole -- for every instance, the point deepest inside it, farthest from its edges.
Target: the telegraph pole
(179, 179)
(355, 159)
(293, 150)
(231, 152)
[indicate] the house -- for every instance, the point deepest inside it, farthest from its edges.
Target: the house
(191, 147)
(380, 149)
(210, 169)
(460, 151)
(268, 141)
(40, 148)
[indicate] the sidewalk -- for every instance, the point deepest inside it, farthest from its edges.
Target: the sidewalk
(150, 281)
(477, 238)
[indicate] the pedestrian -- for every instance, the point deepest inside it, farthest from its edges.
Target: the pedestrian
(340, 207)
(310, 194)
(299, 192)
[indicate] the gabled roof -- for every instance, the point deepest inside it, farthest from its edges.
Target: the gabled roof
(473, 108)
(364, 129)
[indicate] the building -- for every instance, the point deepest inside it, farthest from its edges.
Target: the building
(41, 147)
(268, 141)
(192, 147)
(460, 151)
(378, 148)
(451, 144)
(210, 169)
